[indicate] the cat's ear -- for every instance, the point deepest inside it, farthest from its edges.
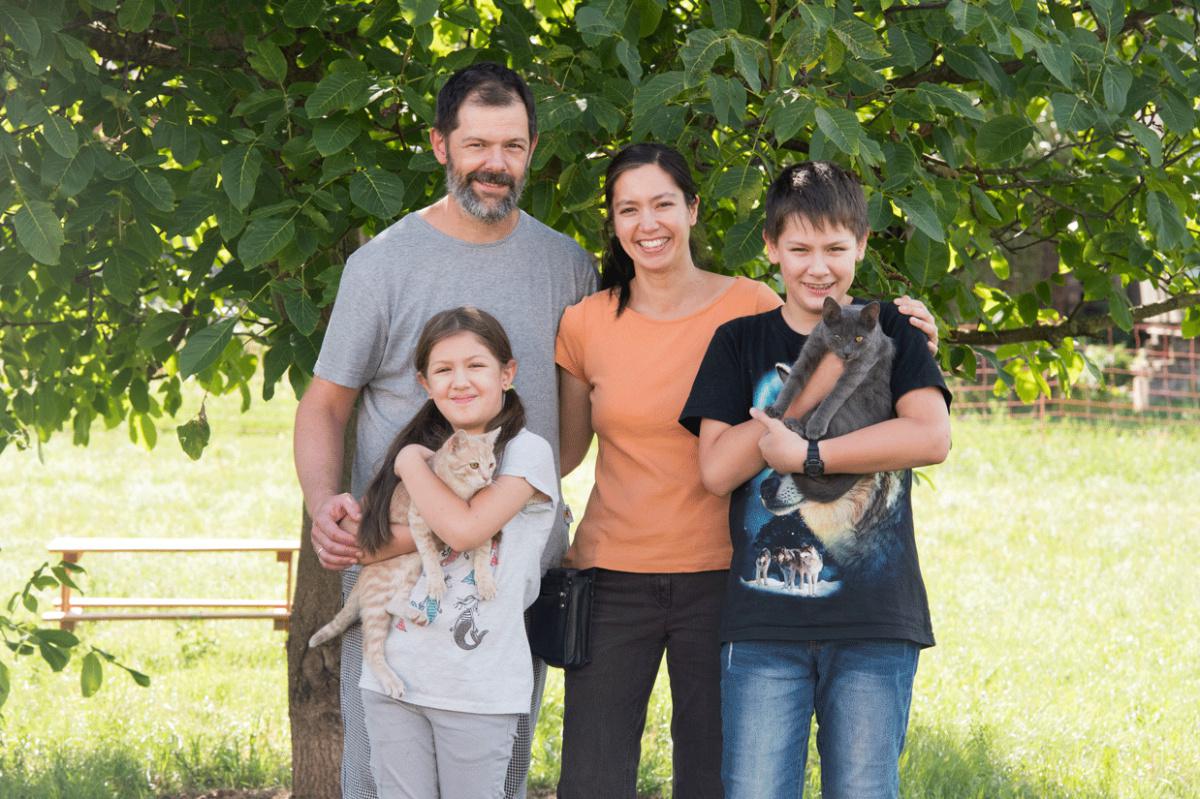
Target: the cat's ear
(831, 311)
(783, 370)
(457, 440)
(492, 436)
(869, 316)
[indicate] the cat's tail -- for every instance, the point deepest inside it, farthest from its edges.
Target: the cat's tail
(341, 622)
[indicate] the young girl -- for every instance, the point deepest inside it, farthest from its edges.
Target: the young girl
(468, 670)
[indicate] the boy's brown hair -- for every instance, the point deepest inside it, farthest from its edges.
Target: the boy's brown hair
(819, 192)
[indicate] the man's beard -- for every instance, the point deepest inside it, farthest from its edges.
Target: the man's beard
(459, 186)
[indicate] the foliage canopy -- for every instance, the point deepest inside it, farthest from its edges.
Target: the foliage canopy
(182, 181)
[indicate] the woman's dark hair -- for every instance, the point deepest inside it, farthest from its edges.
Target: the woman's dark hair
(429, 428)
(616, 270)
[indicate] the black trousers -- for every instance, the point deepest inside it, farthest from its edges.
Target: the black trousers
(635, 618)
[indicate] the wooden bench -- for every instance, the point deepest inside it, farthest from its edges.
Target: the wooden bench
(74, 609)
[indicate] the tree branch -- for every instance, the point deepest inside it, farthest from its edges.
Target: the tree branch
(1071, 327)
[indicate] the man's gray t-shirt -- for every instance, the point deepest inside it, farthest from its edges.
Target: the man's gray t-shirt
(407, 273)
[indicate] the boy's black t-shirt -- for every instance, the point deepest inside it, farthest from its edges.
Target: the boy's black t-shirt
(801, 571)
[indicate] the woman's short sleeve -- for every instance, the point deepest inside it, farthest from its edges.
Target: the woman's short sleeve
(766, 299)
(569, 345)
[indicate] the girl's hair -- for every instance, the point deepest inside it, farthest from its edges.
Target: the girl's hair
(616, 270)
(429, 428)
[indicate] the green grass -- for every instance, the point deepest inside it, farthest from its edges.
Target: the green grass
(1059, 561)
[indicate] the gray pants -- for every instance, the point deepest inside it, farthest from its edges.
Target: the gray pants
(357, 782)
(422, 753)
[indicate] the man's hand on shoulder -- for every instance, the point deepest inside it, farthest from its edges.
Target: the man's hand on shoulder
(920, 318)
(337, 548)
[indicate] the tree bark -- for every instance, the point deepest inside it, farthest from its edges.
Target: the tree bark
(314, 675)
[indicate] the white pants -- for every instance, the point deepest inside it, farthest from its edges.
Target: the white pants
(424, 753)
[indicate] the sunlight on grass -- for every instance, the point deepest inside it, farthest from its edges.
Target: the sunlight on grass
(1059, 562)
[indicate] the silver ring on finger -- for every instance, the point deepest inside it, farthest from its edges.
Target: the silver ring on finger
(320, 552)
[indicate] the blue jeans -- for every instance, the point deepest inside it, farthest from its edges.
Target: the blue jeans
(860, 691)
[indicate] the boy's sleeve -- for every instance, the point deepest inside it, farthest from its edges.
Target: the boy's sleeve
(913, 367)
(718, 392)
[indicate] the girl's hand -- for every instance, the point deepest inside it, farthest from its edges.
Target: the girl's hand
(410, 456)
(782, 449)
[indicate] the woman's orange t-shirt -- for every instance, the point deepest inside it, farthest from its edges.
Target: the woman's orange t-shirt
(648, 511)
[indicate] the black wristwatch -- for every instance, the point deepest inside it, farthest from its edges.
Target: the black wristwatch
(813, 465)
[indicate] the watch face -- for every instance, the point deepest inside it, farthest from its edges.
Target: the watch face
(814, 468)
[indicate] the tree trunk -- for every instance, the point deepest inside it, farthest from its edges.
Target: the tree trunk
(314, 681)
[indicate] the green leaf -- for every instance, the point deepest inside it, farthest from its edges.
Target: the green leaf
(264, 238)
(268, 60)
(62, 638)
(631, 59)
(302, 13)
(1071, 113)
(239, 174)
(985, 203)
(337, 91)
(378, 192)
(703, 47)
(966, 17)
(60, 135)
(155, 189)
(656, 92)
(743, 241)
(925, 259)
(205, 346)
(747, 55)
(950, 99)
(1003, 138)
(728, 99)
(742, 182)
(1118, 309)
(1059, 61)
(20, 25)
(334, 134)
(39, 231)
(91, 674)
(592, 22)
(1149, 141)
(860, 39)
(69, 175)
(138, 677)
(135, 15)
(1166, 221)
(122, 276)
(842, 128)
(193, 436)
(1110, 14)
(54, 656)
(158, 329)
(1117, 80)
(726, 13)
(1176, 111)
(920, 210)
(5, 685)
(302, 312)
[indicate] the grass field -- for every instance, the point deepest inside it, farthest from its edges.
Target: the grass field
(1060, 563)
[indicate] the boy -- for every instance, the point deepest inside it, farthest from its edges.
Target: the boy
(845, 644)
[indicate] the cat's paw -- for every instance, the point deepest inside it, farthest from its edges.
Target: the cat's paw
(815, 431)
(392, 685)
(417, 616)
(774, 412)
(485, 585)
(437, 586)
(794, 425)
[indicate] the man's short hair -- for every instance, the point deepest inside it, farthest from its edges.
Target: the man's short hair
(486, 83)
(819, 192)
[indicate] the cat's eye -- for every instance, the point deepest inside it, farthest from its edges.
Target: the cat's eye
(474, 464)
(858, 339)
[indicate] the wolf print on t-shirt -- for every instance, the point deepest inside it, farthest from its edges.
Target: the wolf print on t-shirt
(811, 549)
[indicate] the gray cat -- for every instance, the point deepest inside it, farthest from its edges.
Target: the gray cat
(861, 397)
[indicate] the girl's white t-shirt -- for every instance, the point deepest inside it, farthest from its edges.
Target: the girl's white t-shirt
(473, 656)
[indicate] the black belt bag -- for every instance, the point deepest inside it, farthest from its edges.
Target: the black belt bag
(559, 622)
